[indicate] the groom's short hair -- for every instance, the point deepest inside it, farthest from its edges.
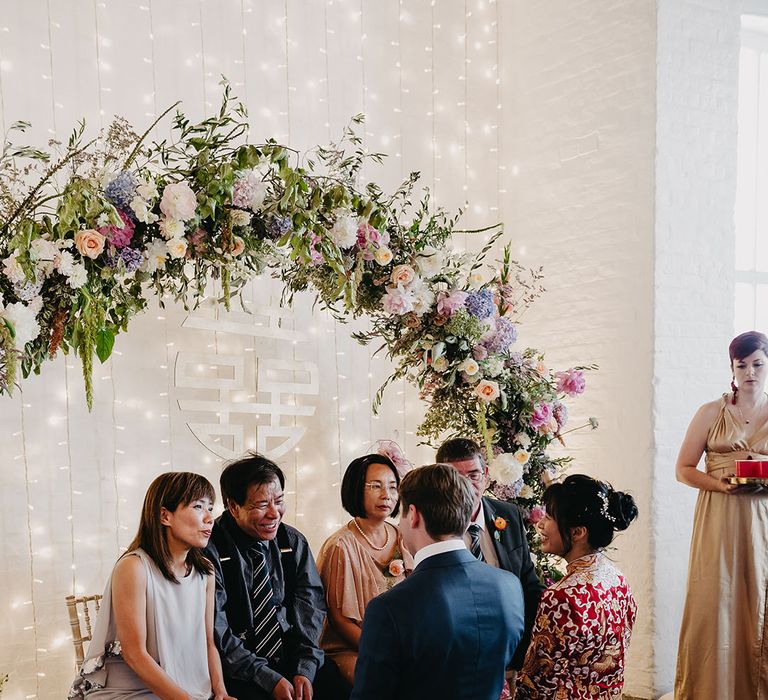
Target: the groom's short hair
(443, 497)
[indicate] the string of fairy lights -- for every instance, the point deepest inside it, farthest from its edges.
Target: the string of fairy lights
(277, 112)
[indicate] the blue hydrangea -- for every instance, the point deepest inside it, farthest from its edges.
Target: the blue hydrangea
(480, 304)
(122, 190)
(130, 257)
(505, 335)
(279, 226)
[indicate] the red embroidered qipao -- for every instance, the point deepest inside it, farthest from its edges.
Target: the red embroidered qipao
(580, 636)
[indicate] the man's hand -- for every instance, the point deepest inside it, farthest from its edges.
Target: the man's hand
(283, 690)
(302, 687)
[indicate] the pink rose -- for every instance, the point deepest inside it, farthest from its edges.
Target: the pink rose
(178, 202)
(570, 382)
(537, 513)
(397, 301)
(119, 237)
(396, 567)
(449, 304)
(90, 243)
(542, 413)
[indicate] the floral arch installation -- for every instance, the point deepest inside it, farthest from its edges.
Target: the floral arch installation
(107, 223)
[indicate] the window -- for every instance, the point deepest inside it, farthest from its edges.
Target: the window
(751, 294)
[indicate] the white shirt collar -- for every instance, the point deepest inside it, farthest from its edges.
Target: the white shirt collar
(480, 519)
(431, 550)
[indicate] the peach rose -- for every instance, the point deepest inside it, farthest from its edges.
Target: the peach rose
(487, 390)
(90, 243)
(396, 567)
(403, 274)
(238, 246)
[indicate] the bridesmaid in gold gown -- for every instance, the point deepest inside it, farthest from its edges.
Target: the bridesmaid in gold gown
(723, 651)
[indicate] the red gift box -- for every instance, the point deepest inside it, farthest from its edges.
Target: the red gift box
(752, 467)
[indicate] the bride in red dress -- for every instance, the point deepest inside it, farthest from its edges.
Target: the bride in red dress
(585, 620)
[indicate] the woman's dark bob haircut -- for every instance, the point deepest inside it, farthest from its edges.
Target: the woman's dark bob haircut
(353, 484)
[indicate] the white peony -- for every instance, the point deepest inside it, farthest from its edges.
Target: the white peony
(505, 469)
(423, 298)
(344, 230)
(430, 262)
(177, 247)
(240, 217)
(25, 325)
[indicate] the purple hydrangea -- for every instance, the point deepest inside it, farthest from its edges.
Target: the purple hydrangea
(480, 304)
(130, 257)
(560, 412)
(503, 337)
(122, 190)
(507, 492)
(514, 360)
(279, 226)
(26, 290)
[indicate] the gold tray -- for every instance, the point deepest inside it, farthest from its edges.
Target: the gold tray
(748, 480)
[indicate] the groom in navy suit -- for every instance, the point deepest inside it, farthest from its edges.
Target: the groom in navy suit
(451, 628)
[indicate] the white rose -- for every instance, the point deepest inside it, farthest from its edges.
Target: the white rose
(344, 230)
(440, 364)
(171, 228)
(177, 247)
(469, 367)
(505, 469)
(240, 217)
(522, 439)
(383, 256)
(526, 492)
(430, 262)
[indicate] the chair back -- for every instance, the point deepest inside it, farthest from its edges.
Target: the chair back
(81, 609)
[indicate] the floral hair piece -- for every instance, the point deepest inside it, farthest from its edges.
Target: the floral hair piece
(389, 448)
(604, 509)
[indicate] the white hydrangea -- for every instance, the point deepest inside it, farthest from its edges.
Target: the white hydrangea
(13, 270)
(25, 325)
(494, 366)
(505, 469)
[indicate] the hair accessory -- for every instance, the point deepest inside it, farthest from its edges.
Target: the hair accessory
(604, 509)
(389, 448)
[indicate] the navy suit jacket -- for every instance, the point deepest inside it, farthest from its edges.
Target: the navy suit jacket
(448, 631)
(511, 546)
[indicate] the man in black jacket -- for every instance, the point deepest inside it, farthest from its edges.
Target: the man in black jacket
(270, 604)
(504, 547)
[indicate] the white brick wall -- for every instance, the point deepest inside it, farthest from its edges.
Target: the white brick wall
(697, 81)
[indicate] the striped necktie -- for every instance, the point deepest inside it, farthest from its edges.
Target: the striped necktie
(474, 541)
(267, 634)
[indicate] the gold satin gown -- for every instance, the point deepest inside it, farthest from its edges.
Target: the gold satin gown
(723, 650)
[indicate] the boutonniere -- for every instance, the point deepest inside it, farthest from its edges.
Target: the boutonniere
(500, 524)
(394, 569)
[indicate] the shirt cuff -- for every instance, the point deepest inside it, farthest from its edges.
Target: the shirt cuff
(307, 668)
(267, 679)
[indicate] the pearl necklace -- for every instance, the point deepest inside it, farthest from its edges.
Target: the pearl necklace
(365, 537)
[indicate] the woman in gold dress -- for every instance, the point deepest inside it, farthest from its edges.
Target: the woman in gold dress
(362, 559)
(723, 651)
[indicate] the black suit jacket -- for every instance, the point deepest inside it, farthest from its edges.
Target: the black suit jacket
(448, 631)
(511, 545)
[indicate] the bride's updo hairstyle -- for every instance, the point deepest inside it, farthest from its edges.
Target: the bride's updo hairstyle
(580, 500)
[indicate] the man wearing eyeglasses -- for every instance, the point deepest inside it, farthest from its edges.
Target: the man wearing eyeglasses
(270, 603)
(496, 533)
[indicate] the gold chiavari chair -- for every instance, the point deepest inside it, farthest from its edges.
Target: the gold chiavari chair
(81, 609)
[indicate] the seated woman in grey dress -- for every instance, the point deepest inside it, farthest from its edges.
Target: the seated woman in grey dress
(154, 634)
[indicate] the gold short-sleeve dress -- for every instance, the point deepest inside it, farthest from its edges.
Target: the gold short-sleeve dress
(352, 577)
(723, 650)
